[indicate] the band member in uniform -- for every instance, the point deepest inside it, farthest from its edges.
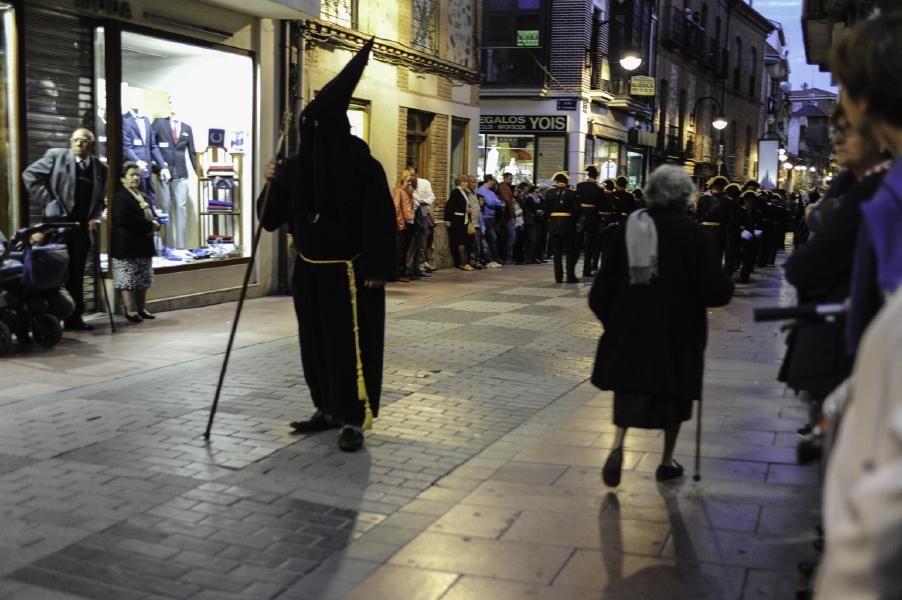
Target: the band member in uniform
(608, 218)
(709, 213)
(589, 195)
(562, 207)
(345, 253)
(748, 217)
(623, 200)
(730, 227)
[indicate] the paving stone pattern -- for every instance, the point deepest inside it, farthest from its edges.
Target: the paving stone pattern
(481, 479)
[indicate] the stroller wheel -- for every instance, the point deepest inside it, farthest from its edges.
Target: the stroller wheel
(46, 331)
(6, 338)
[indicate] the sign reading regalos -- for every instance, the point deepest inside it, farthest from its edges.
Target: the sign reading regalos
(642, 85)
(524, 123)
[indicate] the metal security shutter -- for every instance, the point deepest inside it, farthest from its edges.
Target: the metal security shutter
(59, 86)
(59, 94)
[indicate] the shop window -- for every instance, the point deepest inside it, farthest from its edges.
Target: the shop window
(418, 124)
(605, 156)
(341, 12)
(514, 154)
(201, 100)
(512, 40)
(9, 170)
(635, 168)
(459, 159)
(424, 23)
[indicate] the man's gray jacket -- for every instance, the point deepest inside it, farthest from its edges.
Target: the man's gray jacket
(51, 181)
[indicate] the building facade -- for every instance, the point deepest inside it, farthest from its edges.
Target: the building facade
(808, 143)
(711, 63)
(554, 95)
(418, 101)
(215, 65)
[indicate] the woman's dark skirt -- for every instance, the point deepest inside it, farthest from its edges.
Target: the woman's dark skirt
(647, 411)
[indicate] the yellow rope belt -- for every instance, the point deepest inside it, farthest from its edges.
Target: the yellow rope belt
(606, 214)
(587, 205)
(560, 214)
(352, 286)
(710, 224)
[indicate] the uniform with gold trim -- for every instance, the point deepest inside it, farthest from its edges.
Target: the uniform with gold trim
(589, 195)
(562, 206)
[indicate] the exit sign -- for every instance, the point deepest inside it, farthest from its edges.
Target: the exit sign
(528, 38)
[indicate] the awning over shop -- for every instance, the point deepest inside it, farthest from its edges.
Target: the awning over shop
(271, 9)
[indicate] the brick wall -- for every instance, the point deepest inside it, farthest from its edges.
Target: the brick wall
(444, 88)
(405, 22)
(439, 146)
(570, 36)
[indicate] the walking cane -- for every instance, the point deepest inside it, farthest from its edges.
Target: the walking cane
(99, 278)
(698, 444)
(283, 132)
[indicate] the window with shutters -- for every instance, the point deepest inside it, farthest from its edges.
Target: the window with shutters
(341, 12)
(424, 23)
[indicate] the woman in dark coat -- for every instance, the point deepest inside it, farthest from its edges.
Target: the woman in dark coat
(131, 243)
(816, 359)
(660, 273)
(457, 218)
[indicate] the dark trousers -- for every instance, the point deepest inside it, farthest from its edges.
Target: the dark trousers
(405, 237)
(491, 239)
(564, 245)
(750, 250)
(716, 234)
(732, 250)
(589, 243)
(322, 303)
(78, 243)
(146, 186)
(531, 233)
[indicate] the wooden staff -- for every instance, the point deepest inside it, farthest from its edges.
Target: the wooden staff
(283, 133)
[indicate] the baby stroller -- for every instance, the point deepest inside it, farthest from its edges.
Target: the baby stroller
(34, 265)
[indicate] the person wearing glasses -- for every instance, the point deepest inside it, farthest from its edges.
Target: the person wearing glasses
(70, 185)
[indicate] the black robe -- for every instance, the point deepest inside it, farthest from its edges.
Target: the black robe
(655, 335)
(355, 228)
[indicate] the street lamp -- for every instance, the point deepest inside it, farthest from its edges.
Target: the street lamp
(631, 60)
(719, 122)
(787, 165)
(812, 169)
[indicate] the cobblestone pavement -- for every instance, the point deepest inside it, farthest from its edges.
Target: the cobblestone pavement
(481, 479)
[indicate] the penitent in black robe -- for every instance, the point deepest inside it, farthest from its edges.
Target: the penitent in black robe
(354, 229)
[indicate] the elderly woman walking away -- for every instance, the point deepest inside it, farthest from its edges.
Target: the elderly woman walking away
(660, 273)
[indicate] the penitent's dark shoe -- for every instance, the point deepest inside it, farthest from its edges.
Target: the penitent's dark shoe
(573, 280)
(78, 326)
(350, 439)
(146, 315)
(668, 472)
(318, 422)
(610, 474)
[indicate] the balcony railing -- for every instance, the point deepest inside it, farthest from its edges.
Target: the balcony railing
(512, 66)
(673, 27)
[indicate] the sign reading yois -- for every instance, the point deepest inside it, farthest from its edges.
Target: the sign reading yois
(524, 123)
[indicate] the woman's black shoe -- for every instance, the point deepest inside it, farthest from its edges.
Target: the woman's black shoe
(318, 422)
(350, 439)
(668, 472)
(134, 318)
(610, 474)
(146, 315)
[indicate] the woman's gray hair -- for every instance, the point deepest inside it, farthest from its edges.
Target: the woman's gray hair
(668, 186)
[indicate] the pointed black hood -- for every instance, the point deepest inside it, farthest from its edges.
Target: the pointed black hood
(334, 99)
(327, 147)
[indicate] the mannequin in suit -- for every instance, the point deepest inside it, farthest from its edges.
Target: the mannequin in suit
(174, 137)
(139, 144)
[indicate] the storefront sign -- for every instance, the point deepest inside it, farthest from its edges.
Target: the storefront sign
(511, 123)
(552, 156)
(568, 104)
(113, 8)
(642, 85)
(528, 38)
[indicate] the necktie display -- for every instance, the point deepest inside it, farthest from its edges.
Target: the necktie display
(175, 131)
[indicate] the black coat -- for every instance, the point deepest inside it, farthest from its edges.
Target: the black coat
(456, 212)
(132, 233)
(563, 203)
(821, 270)
(655, 335)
